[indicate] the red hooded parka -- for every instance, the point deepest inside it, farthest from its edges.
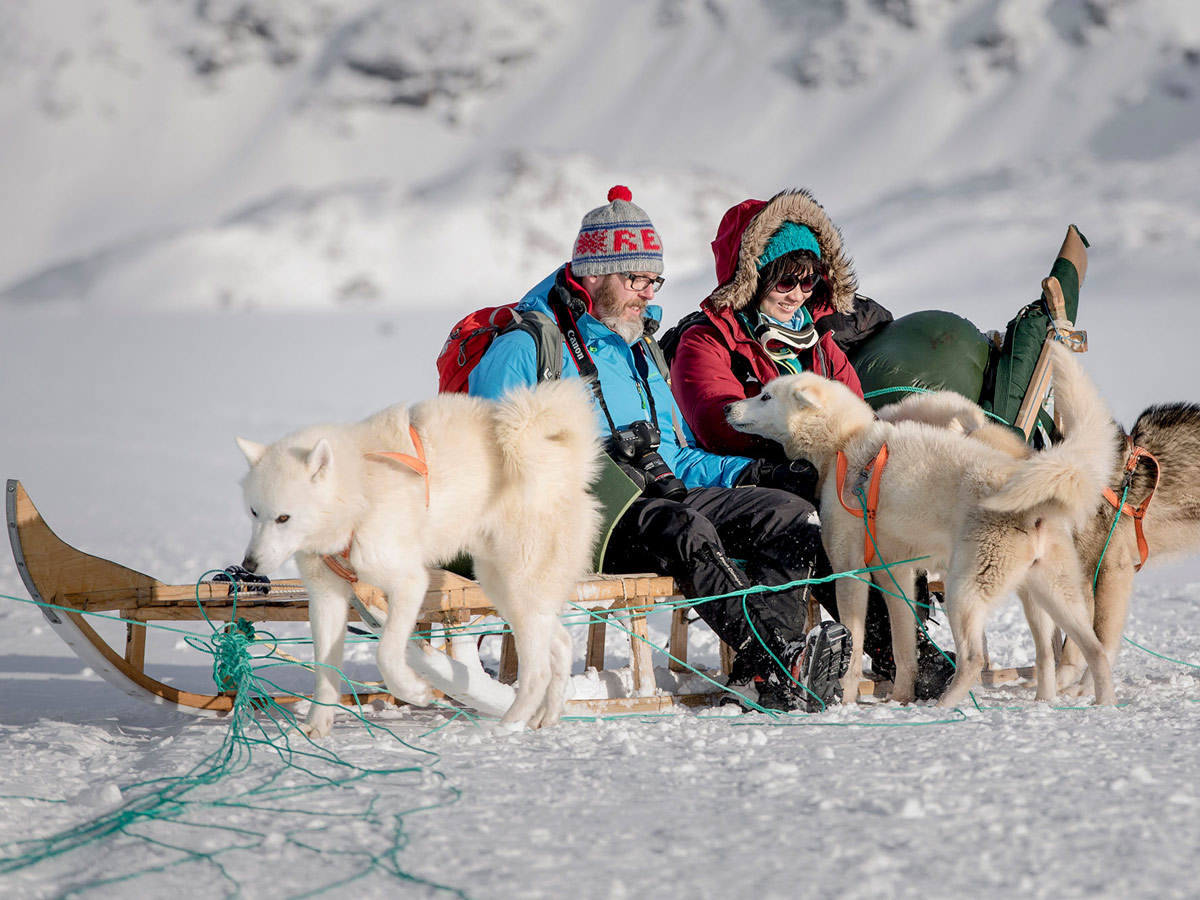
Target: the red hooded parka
(705, 376)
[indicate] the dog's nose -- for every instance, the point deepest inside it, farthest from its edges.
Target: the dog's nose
(728, 407)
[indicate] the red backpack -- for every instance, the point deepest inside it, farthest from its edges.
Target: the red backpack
(471, 336)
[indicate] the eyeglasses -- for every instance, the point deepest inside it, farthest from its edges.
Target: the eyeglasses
(788, 283)
(641, 282)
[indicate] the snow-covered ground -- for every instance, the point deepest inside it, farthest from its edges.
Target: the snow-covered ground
(236, 218)
(122, 427)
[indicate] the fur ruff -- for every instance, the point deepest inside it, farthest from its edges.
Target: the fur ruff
(801, 207)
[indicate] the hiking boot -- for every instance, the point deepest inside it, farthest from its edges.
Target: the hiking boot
(743, 693)
(934, 669)
(818, 663)
(823, 662)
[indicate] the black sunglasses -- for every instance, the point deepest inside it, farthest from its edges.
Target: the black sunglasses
(787, 283)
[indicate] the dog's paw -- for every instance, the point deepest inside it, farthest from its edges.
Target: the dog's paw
(416, 691)
(1068, 676)
(850, 686)
(319, 723)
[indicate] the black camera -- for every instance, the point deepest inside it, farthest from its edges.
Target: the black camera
(635, 450)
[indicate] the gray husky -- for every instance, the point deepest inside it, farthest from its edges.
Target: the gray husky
(1167, 475)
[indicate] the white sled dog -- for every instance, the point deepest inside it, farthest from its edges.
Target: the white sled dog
(992, 523)
(1164, 487)
(506, 482)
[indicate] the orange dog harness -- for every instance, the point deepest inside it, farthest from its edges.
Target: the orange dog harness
(873, 469)
(340, 564)
(1138, 512)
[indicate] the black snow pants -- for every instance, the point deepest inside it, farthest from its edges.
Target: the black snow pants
(718, 540)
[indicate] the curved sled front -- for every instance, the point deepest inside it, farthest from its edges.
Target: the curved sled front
(57, 574)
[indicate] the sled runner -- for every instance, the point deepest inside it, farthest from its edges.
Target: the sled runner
(71, 584)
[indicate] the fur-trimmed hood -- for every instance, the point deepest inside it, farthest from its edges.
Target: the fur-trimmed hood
(743, 235)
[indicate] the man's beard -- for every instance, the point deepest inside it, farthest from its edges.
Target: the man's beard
(605, 304)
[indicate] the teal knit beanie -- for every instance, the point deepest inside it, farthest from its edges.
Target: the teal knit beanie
(788, 237)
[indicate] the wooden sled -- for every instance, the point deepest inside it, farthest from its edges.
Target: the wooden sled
(70, 584)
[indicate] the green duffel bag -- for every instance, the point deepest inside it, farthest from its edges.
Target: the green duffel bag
(931, 349)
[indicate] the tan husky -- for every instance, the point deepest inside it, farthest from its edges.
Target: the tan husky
(992, 523)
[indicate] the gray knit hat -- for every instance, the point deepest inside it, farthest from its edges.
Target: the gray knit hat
(618, 237)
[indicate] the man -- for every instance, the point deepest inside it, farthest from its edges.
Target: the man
(698, 511)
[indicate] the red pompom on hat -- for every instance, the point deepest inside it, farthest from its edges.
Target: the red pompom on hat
(618, 237)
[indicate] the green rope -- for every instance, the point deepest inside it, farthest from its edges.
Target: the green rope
(1107, 540)
(904, 389)
(272, 793)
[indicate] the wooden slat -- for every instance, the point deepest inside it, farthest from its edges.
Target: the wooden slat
(135, 646)
(640, 656)
(596, 638)
(678, 642)
(508, 659)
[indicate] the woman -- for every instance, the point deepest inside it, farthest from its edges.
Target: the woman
(781, 270)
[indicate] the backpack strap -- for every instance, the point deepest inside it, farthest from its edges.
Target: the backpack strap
(547, 338)
(655, 353)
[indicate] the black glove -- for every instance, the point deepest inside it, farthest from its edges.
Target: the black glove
(797, 476)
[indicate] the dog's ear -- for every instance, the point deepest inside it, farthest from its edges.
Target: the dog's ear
(320, 460)
(252, 451)
(807, 395)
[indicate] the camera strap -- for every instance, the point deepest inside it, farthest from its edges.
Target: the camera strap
(583, 359)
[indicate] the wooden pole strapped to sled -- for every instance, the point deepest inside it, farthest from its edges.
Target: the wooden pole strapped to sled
(1071, 264)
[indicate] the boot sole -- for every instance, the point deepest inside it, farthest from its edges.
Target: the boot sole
(826, 661)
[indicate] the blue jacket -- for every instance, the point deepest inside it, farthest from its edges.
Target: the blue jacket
(511, 360)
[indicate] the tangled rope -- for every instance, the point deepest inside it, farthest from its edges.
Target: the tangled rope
(261, 802)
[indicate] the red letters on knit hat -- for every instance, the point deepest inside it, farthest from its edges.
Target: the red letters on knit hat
(618, 237)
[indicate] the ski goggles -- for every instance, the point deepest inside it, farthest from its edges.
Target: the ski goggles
(788, 283)
(781, 341)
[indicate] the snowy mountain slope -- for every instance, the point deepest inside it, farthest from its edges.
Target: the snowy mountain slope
(271, 155)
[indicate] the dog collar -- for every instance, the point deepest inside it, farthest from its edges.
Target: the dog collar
(1137, 512)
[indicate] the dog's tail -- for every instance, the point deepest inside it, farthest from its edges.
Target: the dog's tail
(548, 433)
(1067, 478)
